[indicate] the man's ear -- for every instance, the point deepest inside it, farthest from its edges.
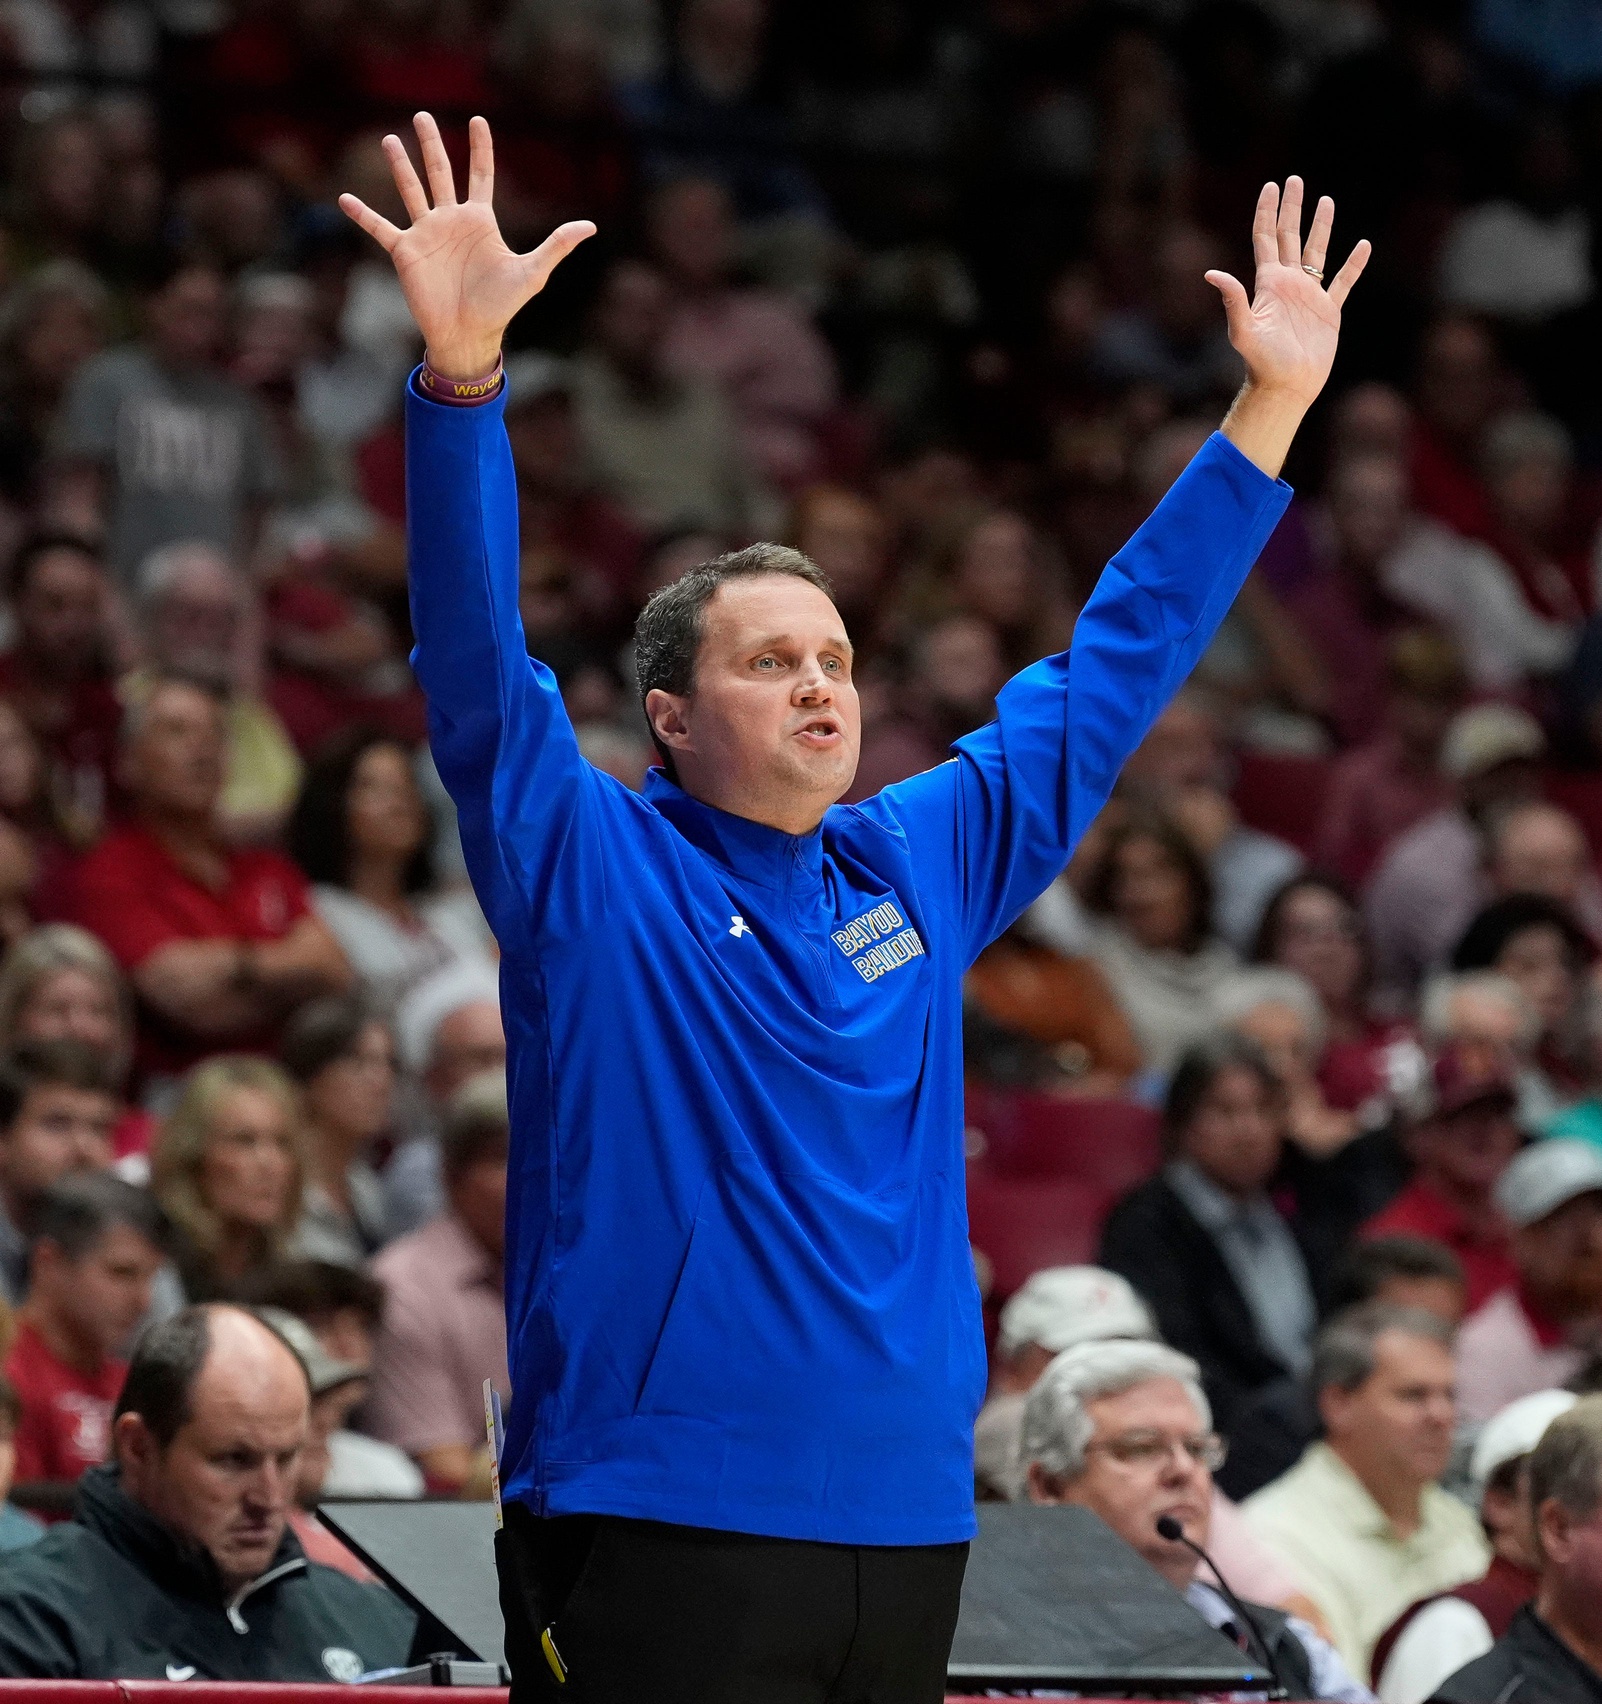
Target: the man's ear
(1552, 1531)
(669, 716)
(1043, 1487)
(133, 1446)
(1332, 1405)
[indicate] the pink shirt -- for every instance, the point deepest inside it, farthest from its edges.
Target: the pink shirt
(1501, 1356)
(444, 1333)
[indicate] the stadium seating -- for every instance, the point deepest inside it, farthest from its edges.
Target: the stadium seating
(1112, 1144)
(1021, 1224)
(1282, 793)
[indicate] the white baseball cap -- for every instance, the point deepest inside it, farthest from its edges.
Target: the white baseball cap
(1548, 1175)
(1065, 1305)
(1514, 1432)
(1487, 735)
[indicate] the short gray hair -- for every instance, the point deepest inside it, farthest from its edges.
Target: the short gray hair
(160, 571)
(1567, 1463)
(1057, 1430)
(1442, 992)
(1270, 985)
(1344, 1351)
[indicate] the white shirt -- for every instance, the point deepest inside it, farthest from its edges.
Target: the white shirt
(1435, 1643)
(390, 958)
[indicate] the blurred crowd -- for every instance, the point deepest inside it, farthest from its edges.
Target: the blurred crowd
(916, 287)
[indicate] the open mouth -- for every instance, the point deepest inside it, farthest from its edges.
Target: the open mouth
(819, 732)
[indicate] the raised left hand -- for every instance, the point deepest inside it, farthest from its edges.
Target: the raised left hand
(1287, 332)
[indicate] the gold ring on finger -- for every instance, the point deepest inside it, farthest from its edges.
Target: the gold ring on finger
(1313, 271)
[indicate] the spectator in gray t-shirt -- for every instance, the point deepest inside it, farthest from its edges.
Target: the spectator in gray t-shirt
(156, 442)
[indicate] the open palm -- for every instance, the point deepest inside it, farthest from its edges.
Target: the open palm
(462, 283)
(1287, 332)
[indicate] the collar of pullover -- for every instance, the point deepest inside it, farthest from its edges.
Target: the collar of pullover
(750, 850)
(175, 1564)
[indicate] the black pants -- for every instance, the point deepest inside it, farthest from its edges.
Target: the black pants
(644, 1613)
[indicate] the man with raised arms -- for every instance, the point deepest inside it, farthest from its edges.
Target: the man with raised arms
(744, 1331)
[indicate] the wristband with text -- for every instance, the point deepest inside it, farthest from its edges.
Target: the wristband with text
(460, 393)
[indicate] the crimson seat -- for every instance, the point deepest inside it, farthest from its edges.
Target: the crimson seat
(1113, 1144)
(1282, 793)
(1024, 1224)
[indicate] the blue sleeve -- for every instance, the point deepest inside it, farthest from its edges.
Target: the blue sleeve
(992, 829)
(528, 803)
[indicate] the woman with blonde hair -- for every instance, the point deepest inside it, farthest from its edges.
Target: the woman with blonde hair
(229, 1167)
(59, 983)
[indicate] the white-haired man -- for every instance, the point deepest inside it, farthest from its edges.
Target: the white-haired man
(1123, 1429)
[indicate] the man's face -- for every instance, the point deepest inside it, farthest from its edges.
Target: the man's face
(1560, 1257)
(1234, 1135)
(1541, 850)
(193, 626)
(772, 727)
(1397, 1424)
(61, 610)
(1368, 505)
(175, 762)
(58, 1130)
(469, 1041)
(187, 318)
(106, 1292)
(1468, 1150)
(1138, 1469)
(632, 317)
(227, 1480)
(478, 1199)
(1180, 752)
(1573, 1553)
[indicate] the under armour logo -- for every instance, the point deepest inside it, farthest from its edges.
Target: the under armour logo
(738, 926)
(175, 1672)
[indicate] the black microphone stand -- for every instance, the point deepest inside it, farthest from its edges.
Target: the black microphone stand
(1174, 1532)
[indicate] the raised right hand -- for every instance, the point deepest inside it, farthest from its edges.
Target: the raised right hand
(462, 283)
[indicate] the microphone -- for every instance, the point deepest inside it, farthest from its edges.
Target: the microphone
(1170, 1529)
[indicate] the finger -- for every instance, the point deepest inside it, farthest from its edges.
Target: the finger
(374, 224)
(1237, 305)
(543, 261)
(1341, 285)
(1318, 236)
(405, 176)
(1265, 250)
(1290, 223)
(436, 162)
(480, 161)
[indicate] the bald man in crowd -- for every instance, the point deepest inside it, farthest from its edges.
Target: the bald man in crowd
(179, 1564)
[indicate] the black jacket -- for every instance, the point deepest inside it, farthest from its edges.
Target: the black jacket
(1156, 1242)
(115, 1595)
(1529, 1664)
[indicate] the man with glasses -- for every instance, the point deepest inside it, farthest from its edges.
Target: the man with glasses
(1124, 1430)
(1362, 1516)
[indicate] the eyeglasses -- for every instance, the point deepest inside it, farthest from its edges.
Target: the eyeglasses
(1152, 1449)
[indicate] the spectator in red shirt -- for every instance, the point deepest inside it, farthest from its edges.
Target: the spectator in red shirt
(98, 1244)
(1460, 1148)
(58, 672)
(220, 943)
(58, 1107)
(58, 983)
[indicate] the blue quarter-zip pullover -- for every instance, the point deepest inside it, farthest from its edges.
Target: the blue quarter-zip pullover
(738, 1286)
